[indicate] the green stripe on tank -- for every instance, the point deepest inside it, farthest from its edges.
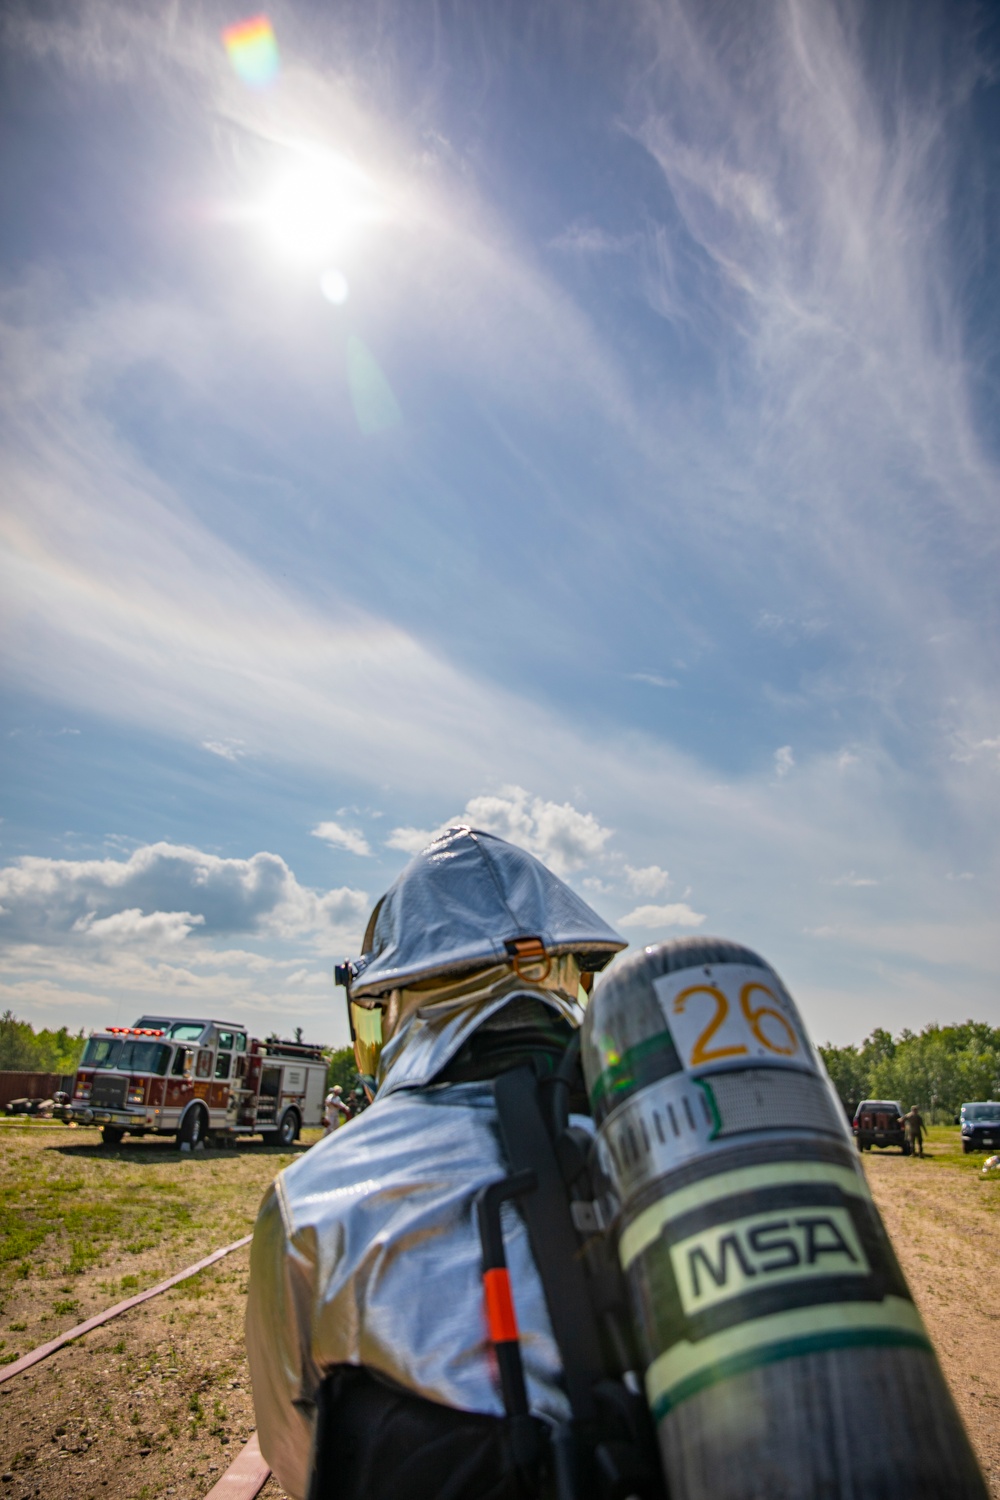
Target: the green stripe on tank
(688, 1368)
(636, 1064)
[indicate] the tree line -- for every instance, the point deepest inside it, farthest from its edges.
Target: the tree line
(938, 1069)
(23, 1050)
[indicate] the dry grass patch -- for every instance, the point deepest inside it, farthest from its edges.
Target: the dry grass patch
(156, 1402)
(942, 1215)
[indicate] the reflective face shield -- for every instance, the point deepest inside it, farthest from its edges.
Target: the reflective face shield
(366, 1031)
(375, 1021)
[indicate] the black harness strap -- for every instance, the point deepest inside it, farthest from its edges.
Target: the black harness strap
(554, 1242)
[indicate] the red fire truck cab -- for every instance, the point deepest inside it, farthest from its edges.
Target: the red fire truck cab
(173, 1075)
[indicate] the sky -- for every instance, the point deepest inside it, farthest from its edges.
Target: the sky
(576, 420)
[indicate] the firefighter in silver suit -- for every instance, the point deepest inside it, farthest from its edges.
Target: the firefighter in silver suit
(373, 1374)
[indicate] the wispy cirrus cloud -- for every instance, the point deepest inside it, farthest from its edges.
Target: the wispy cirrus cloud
(732, 405)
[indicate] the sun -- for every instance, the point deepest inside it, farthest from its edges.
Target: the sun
(317, 205)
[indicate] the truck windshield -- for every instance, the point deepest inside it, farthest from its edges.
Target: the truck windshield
(142, 1057)
(101, 1052)
(981, 1112)
(184, 1031)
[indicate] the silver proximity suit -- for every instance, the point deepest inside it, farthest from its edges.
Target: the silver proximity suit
(366, 1250)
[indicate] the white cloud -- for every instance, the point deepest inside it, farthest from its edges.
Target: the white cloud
(653, 679)
(784, 760)
(225, 749)
(815, 212)
(559, 834)
(589, 239)
(648, 881)
(409, 840)
(852, 879)
(157, 929)
(96, 941)
(677, 914)
(54, 901)
(338, 837)
(969, 748)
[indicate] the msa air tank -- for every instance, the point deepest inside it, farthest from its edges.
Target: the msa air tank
(783, 1356)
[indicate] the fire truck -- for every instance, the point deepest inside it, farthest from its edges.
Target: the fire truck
(195, 1079)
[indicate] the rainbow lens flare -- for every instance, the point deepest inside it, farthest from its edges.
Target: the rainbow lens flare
(253, 50)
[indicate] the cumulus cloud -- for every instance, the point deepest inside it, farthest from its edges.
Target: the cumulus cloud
(677, 914)
(409, 840)
(154, 930)
(558, 833)
(338, 837)
(162, 889)
(784, 760)
(96, 941)
(648, 881)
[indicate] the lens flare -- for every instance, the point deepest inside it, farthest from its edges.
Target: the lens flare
(375, 406)
(253, 50)
(333, 285)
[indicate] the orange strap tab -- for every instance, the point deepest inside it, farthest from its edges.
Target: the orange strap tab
(500, 1313)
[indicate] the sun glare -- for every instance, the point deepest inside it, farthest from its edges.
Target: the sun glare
(317, 206)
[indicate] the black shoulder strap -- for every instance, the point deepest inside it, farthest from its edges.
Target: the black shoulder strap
(609, 1448)
(554, 1242)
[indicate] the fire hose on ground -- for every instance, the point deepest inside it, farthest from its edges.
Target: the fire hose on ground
(248, 1472)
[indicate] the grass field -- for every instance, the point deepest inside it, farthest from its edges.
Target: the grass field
(156, 1402)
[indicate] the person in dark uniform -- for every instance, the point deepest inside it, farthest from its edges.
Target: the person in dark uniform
(913, 1125)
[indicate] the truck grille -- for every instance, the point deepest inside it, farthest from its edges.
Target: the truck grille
(108, 1091)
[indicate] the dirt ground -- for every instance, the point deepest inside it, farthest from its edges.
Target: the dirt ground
(157, 1402)
(944, 1221)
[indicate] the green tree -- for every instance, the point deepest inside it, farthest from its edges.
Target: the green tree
(851, 1067)
(341, 1068)
(942, 1067)
(848, 1072)
(21, 1050)
(937, 1070)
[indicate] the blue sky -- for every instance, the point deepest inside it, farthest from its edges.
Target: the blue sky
(581, 420)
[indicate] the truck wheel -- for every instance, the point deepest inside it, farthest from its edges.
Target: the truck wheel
(194, 1128)
(289, 1128)
(111, 1135)
(966, 1147)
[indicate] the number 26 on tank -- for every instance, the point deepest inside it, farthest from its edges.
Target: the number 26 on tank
(762, 1023)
